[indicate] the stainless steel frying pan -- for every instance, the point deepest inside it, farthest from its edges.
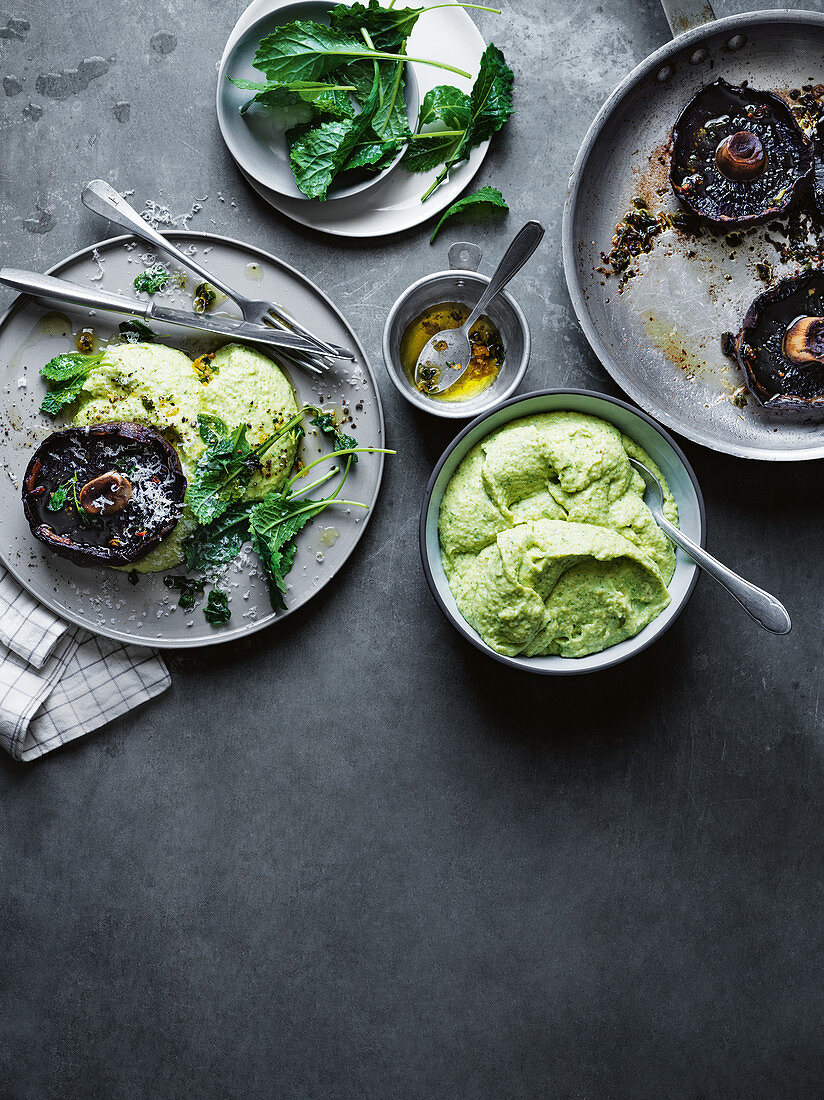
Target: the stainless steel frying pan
(660, 337)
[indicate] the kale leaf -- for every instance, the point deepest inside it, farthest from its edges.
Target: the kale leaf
(220, 541)
(65, 375)
(152, 279)
(217, 608)
(274, 524)
(222, 475)
(388, 28)
(325, 421)
(190, 589)
(484, 197)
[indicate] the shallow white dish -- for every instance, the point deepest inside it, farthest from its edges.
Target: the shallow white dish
(660, 446)
(259, 147)
(393, 203)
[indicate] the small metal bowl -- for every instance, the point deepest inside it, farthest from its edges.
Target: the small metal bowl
(658, 444)
(461, 283)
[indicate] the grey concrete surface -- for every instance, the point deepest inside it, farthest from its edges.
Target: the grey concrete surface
(312, 870)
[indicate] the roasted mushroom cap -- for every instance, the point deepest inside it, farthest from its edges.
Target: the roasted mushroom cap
(781, 344)
(104, 495)
(738, 156)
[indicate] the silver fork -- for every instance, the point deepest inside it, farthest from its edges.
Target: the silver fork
(102, 198)
(764, 608)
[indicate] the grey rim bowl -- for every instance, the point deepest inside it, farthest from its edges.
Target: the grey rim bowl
(504, 312)
(661, 447)
(248, 139)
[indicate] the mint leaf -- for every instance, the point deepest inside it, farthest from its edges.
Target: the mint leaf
(489, 197)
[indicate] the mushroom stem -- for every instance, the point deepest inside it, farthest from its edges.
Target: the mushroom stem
(106, 494)
(741, 156)
(804, 340)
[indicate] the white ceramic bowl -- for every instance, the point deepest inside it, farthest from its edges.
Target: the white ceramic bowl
(658, 444)
(260, 148)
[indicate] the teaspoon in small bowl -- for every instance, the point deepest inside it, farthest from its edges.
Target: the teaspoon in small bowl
(445, 357)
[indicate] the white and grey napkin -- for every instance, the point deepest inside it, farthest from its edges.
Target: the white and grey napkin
(58, 681)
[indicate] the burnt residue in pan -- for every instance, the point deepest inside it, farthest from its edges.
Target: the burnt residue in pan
(781, 345)
(739, 156)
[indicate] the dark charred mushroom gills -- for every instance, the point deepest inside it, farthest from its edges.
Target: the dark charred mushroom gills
(738, 156)
(741, 156)
(104, 495)
(781, 344)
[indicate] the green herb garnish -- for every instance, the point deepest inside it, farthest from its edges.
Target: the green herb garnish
(152, 279)
(325, 421)
(217, 608)
(190, 589)
(136, 332)
(484, 197)
(64, 494)
(65, 375)
(361, 56)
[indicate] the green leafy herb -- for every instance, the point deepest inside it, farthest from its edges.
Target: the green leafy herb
(304, 51)
(274, 524)
(226, 466)
(220, 541)
(461, 121)
(326, 98)
(152, 279)
(388, 28)
(325, 421)
(190, 589)
(217, 608)
(488, 197)
(136, 332)
(64, 494)
(318, 155)
(65, 375)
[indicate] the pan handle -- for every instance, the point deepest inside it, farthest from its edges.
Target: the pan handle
(686, 15)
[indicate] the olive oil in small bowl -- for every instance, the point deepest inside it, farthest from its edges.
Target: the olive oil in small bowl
(487, 350)
(500, 341)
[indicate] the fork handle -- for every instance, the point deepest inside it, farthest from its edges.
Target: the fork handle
(764, 608)
(102, 198)
(524, 243)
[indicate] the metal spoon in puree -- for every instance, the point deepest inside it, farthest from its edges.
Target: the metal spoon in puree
(445, 357)
(764, 608)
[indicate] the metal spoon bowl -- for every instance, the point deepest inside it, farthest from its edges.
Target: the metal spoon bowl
(760, 605)
(444, 359)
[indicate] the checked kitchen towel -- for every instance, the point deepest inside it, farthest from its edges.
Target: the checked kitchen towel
(57, 681)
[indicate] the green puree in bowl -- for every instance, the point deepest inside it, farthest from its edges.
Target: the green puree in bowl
(546, 541)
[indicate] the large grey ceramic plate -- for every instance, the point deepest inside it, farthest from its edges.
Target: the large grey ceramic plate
(105, 601)
(660, 338)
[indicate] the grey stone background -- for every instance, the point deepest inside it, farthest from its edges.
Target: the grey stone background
(312, 869)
